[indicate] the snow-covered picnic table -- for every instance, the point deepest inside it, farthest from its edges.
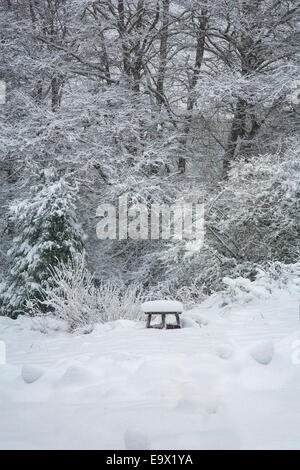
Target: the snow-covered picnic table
(163, 308)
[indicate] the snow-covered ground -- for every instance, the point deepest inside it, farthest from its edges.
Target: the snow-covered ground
(227, 380)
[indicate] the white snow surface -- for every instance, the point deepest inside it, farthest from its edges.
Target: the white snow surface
(162, 306)
(263, 352)
(224, 381)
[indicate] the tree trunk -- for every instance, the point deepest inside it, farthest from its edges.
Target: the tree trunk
(163, 52)
(200, 48)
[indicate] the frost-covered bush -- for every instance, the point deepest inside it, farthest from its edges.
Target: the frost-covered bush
(202, 273)
(252, 220)
(261, 208)
(75, 299)
(276, 276)
(115, 303)
(71, 294)
(48, 234)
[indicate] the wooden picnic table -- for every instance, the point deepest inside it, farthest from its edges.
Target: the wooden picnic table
(163, 308)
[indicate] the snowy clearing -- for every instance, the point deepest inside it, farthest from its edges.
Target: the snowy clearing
(224, 381)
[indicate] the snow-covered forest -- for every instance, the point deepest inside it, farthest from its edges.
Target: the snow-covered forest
(165, 103)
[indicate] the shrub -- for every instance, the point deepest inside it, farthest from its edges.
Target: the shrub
(251, 221)
(75, 299)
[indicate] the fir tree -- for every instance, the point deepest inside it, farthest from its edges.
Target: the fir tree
(48, 235)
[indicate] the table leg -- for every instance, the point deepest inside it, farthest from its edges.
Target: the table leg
(178, 320)
(149, 320)
(163, 320)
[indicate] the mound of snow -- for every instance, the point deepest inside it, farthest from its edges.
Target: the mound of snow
(31, 374)
(162, 306)
(225, 351)
(136, 440)
(75, 376)
(263, 353)
(189, 323)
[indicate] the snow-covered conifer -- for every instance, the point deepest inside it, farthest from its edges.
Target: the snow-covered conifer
(48, 234)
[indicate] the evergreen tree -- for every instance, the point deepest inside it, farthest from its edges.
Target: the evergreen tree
(48, 235)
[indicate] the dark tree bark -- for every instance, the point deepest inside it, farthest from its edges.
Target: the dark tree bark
(201, 31)
(163, 52)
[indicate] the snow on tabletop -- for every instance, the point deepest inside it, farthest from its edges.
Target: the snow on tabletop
(161, 306)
